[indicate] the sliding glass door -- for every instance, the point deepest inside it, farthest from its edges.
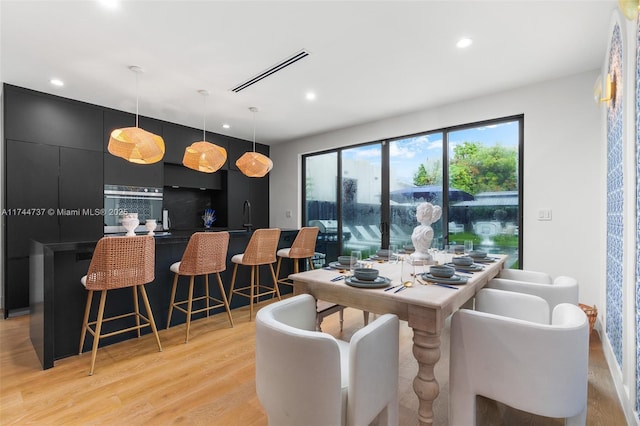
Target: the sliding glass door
(415, 176)
(365, 197)
(361, 190)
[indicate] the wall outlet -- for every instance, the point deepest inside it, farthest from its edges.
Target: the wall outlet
(544, 214)
(288, 213)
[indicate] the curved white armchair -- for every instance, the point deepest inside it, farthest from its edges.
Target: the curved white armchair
(306, 377)
(526, 363)
(563, 289)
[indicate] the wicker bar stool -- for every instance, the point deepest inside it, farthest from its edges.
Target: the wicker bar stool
(303, 247)
(206, 253)
(119, 262)
(261, 250)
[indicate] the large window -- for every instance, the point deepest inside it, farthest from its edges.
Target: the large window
(364, 197)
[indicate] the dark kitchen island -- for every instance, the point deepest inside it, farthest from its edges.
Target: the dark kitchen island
(57, 299)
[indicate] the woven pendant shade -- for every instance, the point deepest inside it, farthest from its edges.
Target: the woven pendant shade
(136, 145)
(254, 164)
(204, 157)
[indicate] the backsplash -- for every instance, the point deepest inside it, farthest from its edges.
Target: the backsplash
(186, 207)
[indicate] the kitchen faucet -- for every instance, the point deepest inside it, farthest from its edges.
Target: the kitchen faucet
(246, 214)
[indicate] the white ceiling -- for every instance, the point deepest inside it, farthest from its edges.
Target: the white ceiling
(368, 59)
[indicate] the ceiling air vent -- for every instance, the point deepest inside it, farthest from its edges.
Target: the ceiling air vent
(266, 73)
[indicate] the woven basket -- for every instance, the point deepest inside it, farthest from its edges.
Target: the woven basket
(592, 314)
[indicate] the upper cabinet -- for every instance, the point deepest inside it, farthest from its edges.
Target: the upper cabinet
(46, 119)
(118, 171)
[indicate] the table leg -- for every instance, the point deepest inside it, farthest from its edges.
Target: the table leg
(426, 350)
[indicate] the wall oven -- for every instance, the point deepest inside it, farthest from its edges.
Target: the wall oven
(122, 199)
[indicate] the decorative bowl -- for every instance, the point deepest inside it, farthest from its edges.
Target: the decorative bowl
(442, 271)
(130, 223)
(344, 260)
(478, 254)
(462, 261)
(366, 274)
(383, 253)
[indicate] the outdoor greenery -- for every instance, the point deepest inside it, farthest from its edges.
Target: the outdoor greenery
(477, 168)
(431, 174)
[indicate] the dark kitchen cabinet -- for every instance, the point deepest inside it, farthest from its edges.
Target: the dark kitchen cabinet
(80, 190)
(118, 171)
(40, 118)
(177, 175)
(53, 194)
(254, 190)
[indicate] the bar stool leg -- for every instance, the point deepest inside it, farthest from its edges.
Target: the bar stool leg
(173, 299)
(136, 308)
(85, 321)
(275, 282)
(251, 291)
(224, 298)
(152, 322)
(233, 281)
(96, 336)
(189, 305)
(206, 292)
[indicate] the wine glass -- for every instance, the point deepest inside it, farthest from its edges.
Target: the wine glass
(356, 257)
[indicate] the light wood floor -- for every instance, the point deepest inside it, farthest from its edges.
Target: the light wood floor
(210, 380)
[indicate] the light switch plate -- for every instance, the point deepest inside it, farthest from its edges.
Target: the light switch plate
(544, 214)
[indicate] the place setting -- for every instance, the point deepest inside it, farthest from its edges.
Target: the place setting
(480, 256)
(465, 264)
(367, 278)
(444, 274)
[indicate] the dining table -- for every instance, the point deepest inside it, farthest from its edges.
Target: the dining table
(425, 306)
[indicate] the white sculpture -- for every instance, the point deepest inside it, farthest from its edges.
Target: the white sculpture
(426, 214)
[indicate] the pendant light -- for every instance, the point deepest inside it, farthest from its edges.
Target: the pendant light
(252, 163)
(135, 144)
(204, 156)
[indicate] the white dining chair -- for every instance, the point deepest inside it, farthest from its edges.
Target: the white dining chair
(306, 377)
(508, 351)
(562, 289)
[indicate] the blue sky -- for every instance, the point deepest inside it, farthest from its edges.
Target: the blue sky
(407, 154)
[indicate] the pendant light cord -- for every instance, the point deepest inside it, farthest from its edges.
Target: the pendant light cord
(254, 131)
(137, 97)
(204, 116)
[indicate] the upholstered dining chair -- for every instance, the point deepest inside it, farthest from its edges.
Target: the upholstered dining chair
(261, 250)
(306, 377)
(509, 351)
(206, 254)
(562, 289)
(119, 262)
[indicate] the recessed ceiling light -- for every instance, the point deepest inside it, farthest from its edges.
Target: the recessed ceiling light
(464, 42)
(56, 82)
(311, 96)
(110, 4)
(226, 126)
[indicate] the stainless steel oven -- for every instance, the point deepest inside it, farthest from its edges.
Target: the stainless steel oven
(122, 199)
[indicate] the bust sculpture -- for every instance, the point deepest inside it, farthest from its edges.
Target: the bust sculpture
(426, 214)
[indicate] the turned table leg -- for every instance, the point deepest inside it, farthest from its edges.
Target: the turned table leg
(426, 350)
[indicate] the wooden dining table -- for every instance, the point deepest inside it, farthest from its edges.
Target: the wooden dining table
(424, 306)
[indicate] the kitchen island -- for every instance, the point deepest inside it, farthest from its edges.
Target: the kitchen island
(57, 299)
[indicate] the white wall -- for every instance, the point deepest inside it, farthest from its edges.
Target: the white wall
(564, 170)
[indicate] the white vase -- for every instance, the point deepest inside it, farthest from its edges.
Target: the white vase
(150, 224)
(130, 224)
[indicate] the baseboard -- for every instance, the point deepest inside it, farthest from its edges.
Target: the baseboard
(630, 414)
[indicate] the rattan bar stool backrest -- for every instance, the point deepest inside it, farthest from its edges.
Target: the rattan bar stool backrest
(206, 253)
(122, 262)
(262, 247)
(304, 245)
